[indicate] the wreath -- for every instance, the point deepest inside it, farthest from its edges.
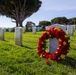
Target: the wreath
(63, 44)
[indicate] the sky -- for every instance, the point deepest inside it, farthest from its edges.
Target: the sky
(48, 10)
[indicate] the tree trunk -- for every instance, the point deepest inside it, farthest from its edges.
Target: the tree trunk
(16, 24)
(20, 24)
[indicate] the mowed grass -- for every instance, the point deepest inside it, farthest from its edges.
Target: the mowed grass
(24, 60)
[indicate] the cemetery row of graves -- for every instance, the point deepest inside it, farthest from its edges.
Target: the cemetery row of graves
(24, 60)
(18, 31)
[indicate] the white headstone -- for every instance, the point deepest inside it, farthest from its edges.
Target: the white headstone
(74, 27)
(1, 33)
(29, 28)
(10, 29)
(38, 28)
(70, 30)
(53, 43)
(18, 36)
(4, 29)
(46, 27)
(34, 30)
(23, 29)
(63, 27)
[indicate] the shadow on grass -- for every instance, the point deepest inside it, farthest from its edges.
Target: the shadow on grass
(5, 40)
(68, 61)
(27, 47)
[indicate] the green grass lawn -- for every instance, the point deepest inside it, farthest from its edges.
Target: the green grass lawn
(24, 60)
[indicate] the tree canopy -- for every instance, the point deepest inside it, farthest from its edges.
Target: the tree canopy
(72, 20)
(19, 10)
(59, 20)
(44, 23)
(30, 24)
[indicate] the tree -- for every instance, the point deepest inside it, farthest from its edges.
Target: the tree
(44, 23)
(19, 10)
(30, 24)
(72, 20)
(59, 20)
